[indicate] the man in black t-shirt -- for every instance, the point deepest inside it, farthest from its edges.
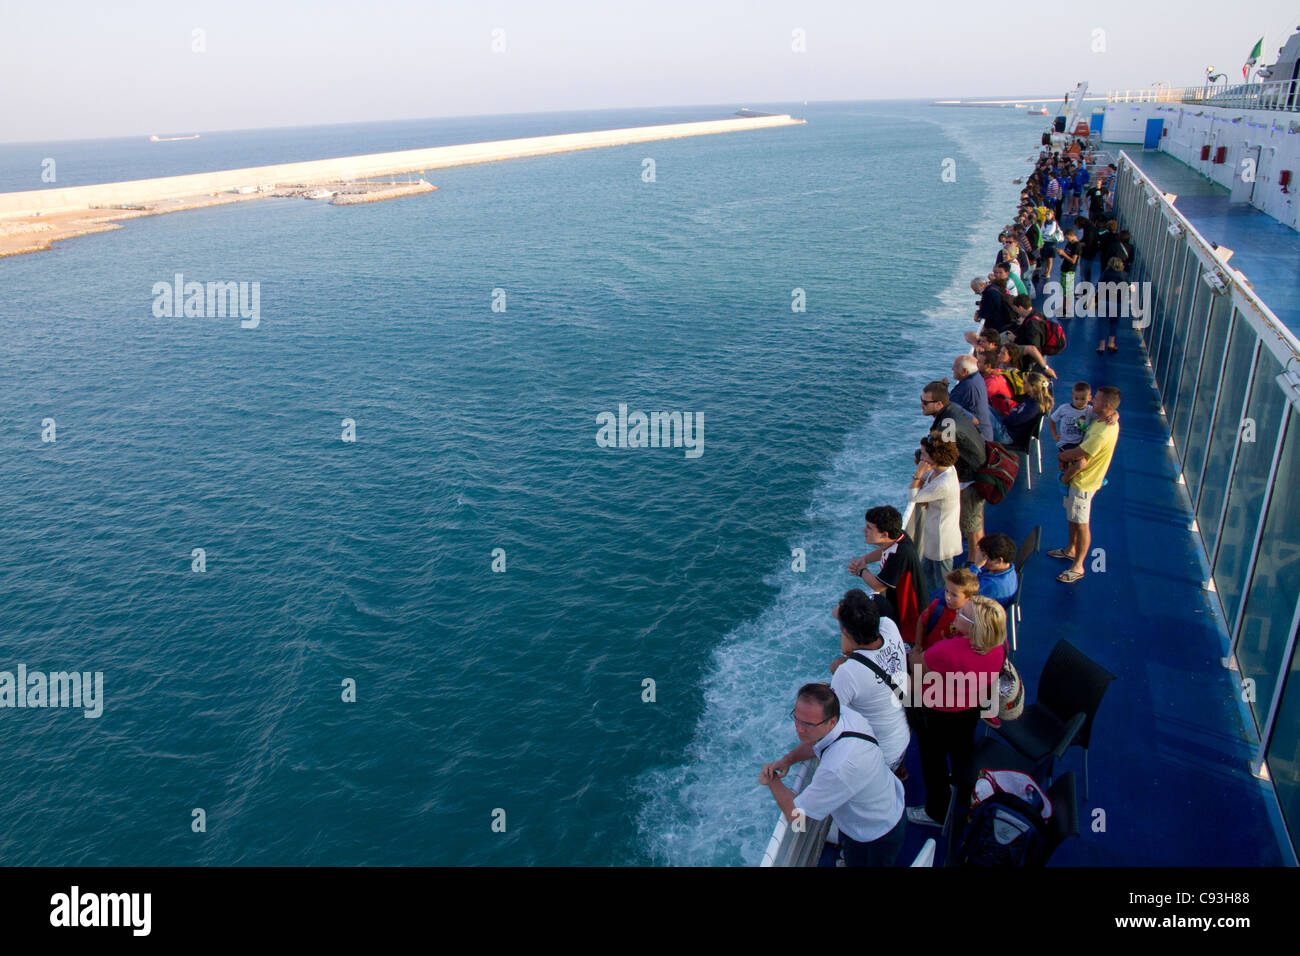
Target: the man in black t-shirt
(1029, 333)
(1069, 254)
(898, 584)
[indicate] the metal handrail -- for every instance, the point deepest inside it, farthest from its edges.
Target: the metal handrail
(790, 847)
(1275, 336)
(1280, 95)
(786, 847)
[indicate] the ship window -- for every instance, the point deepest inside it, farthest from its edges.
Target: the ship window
(1270, 605)
(1207, 390)
(1227, 425)
(1197, 298)
(1250, 484)
(1283, 755)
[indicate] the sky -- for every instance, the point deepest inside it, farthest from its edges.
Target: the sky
(84, 69)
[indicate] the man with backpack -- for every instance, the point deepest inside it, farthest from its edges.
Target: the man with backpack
(1037, 336)
(852, 783)
(870, 676)
(898, 582)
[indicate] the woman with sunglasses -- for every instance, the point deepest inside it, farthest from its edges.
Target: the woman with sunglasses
(944, 678)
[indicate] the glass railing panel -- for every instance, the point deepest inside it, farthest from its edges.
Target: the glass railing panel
(1160, 301)
(1223, 436)
(1250, 484)
(1175, 319)
(1270, 604)
(1283, 757)
(1189, 325)
(1201, 362)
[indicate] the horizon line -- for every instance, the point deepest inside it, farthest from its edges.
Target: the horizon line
(414, 119)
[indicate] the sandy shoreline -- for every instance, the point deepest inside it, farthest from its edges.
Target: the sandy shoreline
(29, 236)
(38, 233)
(32, 220)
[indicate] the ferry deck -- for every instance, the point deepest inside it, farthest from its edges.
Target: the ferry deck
(1188, 765)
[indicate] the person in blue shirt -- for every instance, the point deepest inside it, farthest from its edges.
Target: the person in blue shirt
(970, 393)
(994, 566)
(1081, 178)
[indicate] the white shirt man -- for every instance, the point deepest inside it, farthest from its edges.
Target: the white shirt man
(853, 784)
(861, 690)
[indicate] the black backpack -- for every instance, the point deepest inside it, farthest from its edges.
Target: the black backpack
(1003, 830)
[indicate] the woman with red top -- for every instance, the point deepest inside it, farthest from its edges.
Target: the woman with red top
(957, 677)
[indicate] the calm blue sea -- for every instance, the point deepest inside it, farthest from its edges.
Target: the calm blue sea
(371, 560)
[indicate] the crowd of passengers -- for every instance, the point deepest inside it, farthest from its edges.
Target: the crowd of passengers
(942, 610)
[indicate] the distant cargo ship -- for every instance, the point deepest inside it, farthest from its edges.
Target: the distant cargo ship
(170, 139)
(1040, 111)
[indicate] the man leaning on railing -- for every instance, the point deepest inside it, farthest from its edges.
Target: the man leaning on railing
(852, 784)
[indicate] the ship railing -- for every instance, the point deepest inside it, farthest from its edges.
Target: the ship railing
(1279, 95)
(802, 846)
(1228, 375)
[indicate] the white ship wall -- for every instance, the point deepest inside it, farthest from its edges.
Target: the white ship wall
(1270, 138)
(1126, 123)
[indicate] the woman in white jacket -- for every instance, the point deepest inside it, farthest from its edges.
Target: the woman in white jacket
(935, 490)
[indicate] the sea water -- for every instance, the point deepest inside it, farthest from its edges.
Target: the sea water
(362, 582)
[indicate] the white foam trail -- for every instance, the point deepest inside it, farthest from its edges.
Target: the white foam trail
(711, 809)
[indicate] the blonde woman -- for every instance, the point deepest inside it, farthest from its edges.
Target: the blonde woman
(1022, 423)
(1010, 258)
(948, 672)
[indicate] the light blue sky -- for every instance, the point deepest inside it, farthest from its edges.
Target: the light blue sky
(79, 70)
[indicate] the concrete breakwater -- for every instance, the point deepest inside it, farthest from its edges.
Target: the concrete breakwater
(38, 202)
(350, 196)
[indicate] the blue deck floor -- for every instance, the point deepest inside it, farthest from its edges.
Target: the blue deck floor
(1169, 761)
(1265, 250)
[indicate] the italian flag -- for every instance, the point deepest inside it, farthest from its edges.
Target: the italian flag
(1254, 56)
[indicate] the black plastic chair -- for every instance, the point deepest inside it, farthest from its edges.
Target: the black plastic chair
(1027, 547)
(1070, 690)
(992, 754)
(1064, 822)
(1031, 443)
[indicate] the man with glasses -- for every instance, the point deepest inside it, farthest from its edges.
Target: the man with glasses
(852, 783)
